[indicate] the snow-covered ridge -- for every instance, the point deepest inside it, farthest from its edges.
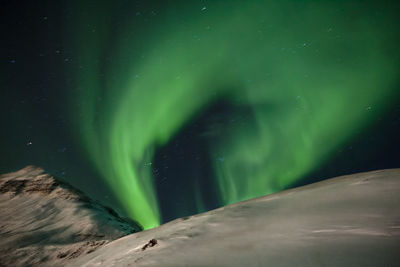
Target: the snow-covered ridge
(352, 220)
(48, 222)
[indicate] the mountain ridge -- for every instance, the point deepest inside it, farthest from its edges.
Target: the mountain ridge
(46, 221)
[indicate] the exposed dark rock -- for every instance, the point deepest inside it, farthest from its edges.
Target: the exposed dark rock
(150, 244)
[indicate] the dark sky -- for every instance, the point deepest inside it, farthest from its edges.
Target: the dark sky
(38, 62)
(36, 127)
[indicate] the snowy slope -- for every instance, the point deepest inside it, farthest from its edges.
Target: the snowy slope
(346, 221)
(46, 222)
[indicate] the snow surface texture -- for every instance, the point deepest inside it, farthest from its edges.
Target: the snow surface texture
(351, 220)
(46, 222)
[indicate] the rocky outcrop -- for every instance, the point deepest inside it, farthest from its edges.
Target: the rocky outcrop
(47, 222)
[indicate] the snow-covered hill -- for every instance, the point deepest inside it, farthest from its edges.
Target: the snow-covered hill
(351, 220)
(346, 221)
(46, 222)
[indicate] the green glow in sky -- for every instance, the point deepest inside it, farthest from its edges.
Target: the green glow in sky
(312, 73)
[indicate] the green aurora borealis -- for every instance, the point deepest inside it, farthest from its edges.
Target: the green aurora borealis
(311, 73)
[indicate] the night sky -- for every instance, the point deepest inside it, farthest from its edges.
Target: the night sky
(163, 109)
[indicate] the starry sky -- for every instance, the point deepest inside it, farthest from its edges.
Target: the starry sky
(164, 109)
